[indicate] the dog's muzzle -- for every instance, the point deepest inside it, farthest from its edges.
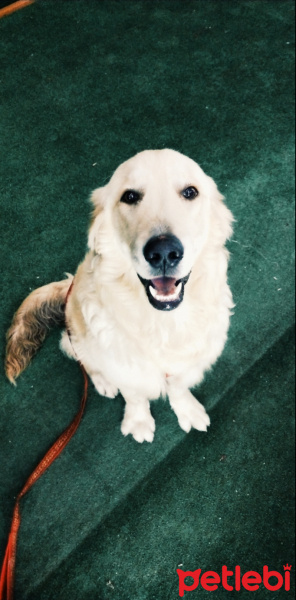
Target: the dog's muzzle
(164, 293)
(164, 253)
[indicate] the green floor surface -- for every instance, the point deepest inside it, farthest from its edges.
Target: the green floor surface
(83, 86)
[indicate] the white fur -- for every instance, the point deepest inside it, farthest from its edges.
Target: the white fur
(125, 343)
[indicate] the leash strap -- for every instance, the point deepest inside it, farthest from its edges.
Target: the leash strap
(11, 8)
(8, 566)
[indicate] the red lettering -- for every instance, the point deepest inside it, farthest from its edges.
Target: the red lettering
(209, 580)
(250, 580)
(287, 581)
(237, 578)
(225, 574)
(266, 576)
(183, 587)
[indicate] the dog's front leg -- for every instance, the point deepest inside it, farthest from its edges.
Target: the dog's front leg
(190, 412)
(137, 418)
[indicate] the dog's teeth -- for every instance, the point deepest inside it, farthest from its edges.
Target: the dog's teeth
(162, 298)
(178, 288)
(152, 291)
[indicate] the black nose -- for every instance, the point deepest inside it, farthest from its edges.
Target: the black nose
(163, 252)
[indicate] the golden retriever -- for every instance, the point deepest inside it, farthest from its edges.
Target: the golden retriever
(149, 307)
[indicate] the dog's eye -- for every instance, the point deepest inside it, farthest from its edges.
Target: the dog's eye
(131, 197)
(190, 193)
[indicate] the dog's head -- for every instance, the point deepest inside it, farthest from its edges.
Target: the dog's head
(156, 215)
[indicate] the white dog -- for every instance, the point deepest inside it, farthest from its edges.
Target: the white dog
(149, 308)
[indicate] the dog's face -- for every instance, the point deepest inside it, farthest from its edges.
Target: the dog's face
(158, 207)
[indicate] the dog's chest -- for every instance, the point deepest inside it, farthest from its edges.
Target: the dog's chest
(143, 360)
(163, 345)
(134, 345)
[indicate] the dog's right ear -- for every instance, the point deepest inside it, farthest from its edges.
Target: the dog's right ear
(98, 200)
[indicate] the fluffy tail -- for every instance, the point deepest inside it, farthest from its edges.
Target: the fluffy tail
(42, 309)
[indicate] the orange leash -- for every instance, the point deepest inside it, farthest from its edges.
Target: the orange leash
(11, 8)
(8, 566)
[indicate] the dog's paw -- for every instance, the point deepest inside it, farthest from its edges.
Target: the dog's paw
(104, 387)
(191, 413)
(142, 430)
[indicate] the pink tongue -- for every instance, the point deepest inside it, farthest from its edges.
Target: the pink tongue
(165, 286)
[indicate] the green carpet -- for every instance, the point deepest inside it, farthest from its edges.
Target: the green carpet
(85, 85)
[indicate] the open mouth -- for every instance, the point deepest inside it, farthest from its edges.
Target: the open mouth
(164, 293)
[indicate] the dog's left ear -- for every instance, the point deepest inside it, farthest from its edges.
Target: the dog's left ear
(98, 200)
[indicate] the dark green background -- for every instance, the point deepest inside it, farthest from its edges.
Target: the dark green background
(83, 86)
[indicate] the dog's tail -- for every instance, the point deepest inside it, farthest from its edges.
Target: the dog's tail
(42, 309)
